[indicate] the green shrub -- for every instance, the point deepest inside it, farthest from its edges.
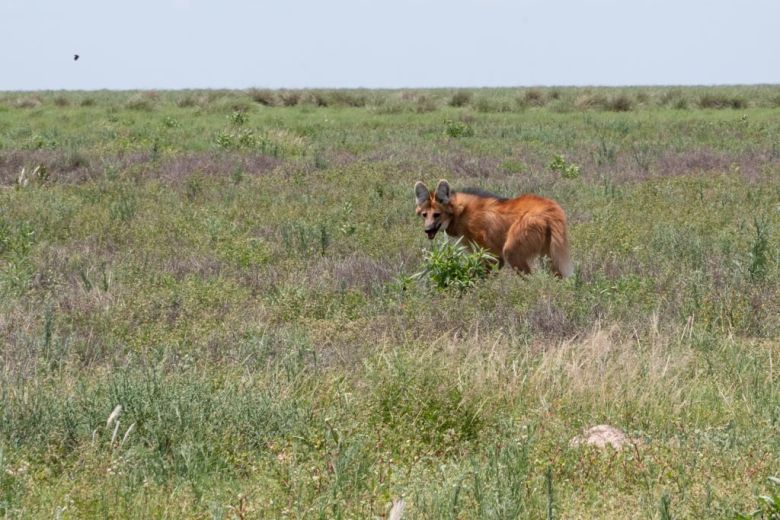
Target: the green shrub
(319, 98)
(532, 98)
(224, 140)
(170, 122)
(290, 98)
(263, 96)
(142, 101)
(238, 118)
(710, 100)
(460, 98)
(425, 104)
(621, 103)
(759, 252)
(450, 264)
(346, 98)
(186, 101)
(61, 101)
(458, 129)
(566, 169)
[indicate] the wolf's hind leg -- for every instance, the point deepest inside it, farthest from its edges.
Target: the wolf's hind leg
(526, 240)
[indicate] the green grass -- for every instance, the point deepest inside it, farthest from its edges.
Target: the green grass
(235, 270)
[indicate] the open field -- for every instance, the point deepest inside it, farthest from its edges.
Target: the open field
(234, 270)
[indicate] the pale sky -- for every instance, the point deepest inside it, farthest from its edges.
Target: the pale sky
(171, 44)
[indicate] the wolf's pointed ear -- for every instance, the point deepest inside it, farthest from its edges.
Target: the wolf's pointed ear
(443, 192)
(420, 193)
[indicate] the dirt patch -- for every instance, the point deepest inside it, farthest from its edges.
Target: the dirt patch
(603, 435)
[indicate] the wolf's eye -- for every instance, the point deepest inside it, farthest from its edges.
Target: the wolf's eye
(436, 215)
(424, 213)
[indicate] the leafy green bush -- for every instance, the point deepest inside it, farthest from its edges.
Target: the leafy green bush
(566, 169)
(238, 118)
(451, 264)
(458, 129)
(224, 140)
(170, 122)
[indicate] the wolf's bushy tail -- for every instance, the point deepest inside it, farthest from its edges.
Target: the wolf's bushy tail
(559, 249)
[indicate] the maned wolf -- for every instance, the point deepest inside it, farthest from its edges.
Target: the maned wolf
(515, 230)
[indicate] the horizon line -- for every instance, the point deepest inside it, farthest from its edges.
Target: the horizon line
(506, 87)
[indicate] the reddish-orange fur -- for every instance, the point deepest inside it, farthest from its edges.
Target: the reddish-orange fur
(515, 230)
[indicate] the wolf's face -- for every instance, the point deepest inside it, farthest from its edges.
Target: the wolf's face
(435, 208)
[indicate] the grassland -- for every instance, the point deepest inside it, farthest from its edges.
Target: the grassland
(234, 270)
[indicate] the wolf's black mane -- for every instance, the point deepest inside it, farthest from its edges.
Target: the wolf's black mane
(481, 193)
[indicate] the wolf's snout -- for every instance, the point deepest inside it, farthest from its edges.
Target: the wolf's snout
(431, 231)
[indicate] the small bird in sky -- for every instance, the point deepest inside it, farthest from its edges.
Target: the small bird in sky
(75, 57)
